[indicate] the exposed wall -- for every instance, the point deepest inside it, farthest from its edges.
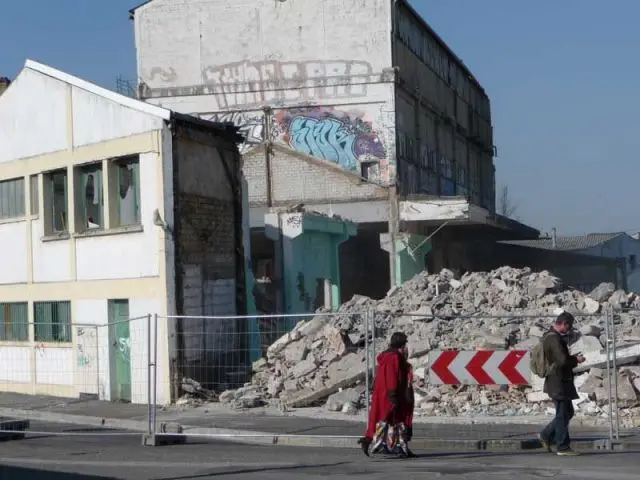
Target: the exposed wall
(322, 68)
(315, 181)
(445, 144)
(208, 246)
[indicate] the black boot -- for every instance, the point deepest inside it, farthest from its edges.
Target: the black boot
(365, 443)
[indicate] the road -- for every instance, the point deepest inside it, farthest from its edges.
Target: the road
(121, 456)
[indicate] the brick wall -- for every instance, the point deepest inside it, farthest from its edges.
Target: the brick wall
(209, 253)
(299, 178)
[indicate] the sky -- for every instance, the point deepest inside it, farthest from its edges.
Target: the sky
(563, 79)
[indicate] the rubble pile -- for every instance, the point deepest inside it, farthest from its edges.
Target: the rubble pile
(322, 360)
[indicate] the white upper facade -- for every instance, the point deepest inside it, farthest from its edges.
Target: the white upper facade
(80, 180)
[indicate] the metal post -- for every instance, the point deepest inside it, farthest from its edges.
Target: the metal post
(98, 361)
(155, 371)
(615, 371)
(367, 384)
(607, 333)
(149, 366)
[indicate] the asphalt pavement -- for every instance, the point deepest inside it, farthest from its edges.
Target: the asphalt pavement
(87, 454)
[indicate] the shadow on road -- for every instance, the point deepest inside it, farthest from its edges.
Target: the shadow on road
(242, 471)
(21, 473)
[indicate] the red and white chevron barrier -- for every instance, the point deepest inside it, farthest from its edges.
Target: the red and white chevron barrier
(484, 367)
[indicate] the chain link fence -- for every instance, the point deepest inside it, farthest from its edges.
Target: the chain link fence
(473, 388)
(326, 363)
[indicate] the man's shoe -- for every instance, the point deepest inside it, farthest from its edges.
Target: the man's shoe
(568, 453)
(365, 443)
(546, 445)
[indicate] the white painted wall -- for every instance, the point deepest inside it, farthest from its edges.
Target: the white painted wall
(328, 58)
(116, 121)
(51, 259)
(54, 365)
(13, 245)
(34, 107)
(101, 353)
(16, 364)
(92, 353)
(130, 255)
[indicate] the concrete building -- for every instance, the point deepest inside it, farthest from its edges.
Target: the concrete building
(621, 248)
(367, 87)
(112, 209)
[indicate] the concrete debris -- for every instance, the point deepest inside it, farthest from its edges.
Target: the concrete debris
(195, 394)
(322, 360)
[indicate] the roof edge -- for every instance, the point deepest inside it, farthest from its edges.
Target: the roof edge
(443, 44)
(132, 11)
(125, 101)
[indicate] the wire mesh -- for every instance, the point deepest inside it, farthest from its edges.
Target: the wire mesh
(500, 407)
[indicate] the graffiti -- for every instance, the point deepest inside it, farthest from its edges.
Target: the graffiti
(82, 358)
(167, 75)
(251, 125)
(40, 349)
(86, 337)
(341, 138)
(123, 346)
(294, 220)
(244, 84)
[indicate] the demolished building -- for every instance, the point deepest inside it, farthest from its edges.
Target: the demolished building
(322, 361)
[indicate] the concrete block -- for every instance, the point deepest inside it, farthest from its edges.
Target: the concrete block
(13, 429)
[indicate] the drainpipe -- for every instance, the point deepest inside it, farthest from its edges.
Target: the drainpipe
(554, 243)
(267, 112)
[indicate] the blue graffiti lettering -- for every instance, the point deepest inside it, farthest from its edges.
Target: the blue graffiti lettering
(325, 138)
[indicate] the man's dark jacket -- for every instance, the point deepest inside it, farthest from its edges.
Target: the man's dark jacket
(559, 385)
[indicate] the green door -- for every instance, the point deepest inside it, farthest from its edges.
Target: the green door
(120, 340)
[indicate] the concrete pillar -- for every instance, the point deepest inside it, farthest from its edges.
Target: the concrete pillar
(410, 250)
(308, 251)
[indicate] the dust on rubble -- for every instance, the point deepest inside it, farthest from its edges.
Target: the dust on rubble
(322, 360)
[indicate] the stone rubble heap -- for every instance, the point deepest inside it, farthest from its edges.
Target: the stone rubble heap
(322, 360)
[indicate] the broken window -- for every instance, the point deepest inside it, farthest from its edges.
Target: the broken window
(127, 191)
(89, 198)
(56, 187)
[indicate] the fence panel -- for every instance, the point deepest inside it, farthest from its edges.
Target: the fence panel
(481, 380)
(59, 367)
(283, 362)
(624, 372)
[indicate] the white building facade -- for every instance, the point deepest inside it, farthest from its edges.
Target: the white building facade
(366, 86)
(89, 195)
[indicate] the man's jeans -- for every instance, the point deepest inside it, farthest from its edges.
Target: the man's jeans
(558, 430)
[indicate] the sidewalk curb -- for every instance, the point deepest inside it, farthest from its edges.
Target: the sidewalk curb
(13, 429)
(250, 437)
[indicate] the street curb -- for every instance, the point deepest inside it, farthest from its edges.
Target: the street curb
(249, 437)
(13, 429)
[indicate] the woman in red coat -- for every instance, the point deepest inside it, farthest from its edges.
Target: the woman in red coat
(391, 414)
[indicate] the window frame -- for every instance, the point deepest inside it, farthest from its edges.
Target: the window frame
(23, 335)
(118, 165)
(81, 174)
(57, 326)
(34, 195)
(51, 213)
(19, 209)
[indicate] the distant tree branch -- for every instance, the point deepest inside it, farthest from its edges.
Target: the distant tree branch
(506, 206)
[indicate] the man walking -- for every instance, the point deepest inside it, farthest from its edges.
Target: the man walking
(559, 384)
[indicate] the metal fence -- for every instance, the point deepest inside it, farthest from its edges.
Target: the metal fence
(325, 363)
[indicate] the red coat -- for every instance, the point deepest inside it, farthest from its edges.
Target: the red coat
(393, 378)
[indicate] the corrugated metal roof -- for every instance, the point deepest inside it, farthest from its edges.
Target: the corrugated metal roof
(567, 243)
